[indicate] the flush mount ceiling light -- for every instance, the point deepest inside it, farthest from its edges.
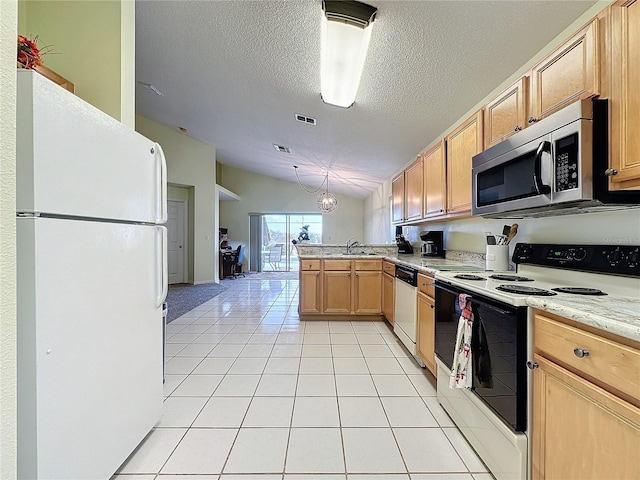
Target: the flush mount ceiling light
(327, 201)
(346, 30)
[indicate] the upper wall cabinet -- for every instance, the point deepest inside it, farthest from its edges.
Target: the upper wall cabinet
(413, 191)
(397, 194)
(462, 144)
(624, 51)
(506, 114)
(569, 74)
(434, 181)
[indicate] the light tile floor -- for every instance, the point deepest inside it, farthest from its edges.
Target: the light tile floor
(253, 393)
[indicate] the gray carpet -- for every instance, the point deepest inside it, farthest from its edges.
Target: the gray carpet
(183, 297)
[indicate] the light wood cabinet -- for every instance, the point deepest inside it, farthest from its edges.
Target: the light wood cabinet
(310, 292)
(397, 195)
(367, 292)
(434, 181)
(413, 191)
(388, 296)
(585, 415)
(624, 54)
(342, 287)
(506, 114)
(336, 287)
(462, 144)
(426, 322)
(570, 73)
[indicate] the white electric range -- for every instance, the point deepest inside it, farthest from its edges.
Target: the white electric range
(494, 414)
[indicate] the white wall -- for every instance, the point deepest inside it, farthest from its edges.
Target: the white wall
(264, 194)
(8, 421)
(378, 213)
(191, 163)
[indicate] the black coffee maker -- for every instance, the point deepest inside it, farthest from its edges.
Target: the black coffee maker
(403, 244)
(432, 243)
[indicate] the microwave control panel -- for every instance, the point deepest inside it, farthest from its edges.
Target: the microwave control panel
(567, 163)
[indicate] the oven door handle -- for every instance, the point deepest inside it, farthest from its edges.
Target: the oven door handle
(541, 188)
(475, 300)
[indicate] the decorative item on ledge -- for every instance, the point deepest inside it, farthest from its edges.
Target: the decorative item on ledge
(29, 57)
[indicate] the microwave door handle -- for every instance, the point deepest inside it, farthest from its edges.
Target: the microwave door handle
(541, 188)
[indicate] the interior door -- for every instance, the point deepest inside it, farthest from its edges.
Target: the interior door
(176, 248)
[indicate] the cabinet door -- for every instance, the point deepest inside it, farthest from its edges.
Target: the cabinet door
(310, 292)
(397, 193)
(435, 181)
(625, 95)
(569, 74)
(426, 331)
(462, 144)
(388, 296)
(336, 294)
(368, 292)
(580, 431)
(506, 114)
(413, 191)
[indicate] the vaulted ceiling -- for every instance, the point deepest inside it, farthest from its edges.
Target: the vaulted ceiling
(235, 73)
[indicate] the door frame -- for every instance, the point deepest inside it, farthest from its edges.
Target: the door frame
(185, 236)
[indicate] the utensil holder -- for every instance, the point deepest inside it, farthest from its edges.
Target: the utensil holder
(497, 258)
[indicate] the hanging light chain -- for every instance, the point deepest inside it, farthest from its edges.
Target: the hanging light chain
(326, 179)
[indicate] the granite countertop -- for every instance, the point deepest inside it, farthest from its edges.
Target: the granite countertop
(613, 314)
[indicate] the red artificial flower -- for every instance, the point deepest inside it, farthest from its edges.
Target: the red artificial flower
(28, 52)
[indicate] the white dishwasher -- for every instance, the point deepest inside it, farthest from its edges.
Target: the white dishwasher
(405, 313)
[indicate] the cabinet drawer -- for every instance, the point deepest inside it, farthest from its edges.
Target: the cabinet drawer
(388, 267)
(369, 265)
(608, 362)
(425, 285)
(334, 265)
(309, 264)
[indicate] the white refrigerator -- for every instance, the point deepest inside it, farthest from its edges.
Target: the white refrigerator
(92, 278)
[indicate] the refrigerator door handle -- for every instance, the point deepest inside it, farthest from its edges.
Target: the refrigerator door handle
(162, 194)
(163, 280)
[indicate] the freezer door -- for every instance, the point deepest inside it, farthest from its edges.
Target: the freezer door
(89, 344)
(75, 160)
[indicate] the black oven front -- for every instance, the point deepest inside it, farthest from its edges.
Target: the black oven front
(500, 336)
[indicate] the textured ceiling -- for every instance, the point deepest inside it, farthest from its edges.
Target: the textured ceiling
(235, 73)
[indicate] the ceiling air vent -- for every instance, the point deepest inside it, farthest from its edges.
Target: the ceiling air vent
(303, 119)
(281, 149)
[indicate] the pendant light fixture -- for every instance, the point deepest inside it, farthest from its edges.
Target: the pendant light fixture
(327, 201)
(346, 31)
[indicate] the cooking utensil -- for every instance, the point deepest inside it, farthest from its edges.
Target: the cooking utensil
(491, 239)
(512, 233)
(505, 230)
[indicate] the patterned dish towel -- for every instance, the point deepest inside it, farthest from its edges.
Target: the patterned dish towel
(461, 372)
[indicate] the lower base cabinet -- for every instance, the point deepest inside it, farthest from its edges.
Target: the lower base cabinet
(426, 331)
(388, 296)
(586, 403)
(337, 292)
(310, 298)
(367, 292)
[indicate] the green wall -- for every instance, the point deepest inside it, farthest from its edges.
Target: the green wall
(92, 45)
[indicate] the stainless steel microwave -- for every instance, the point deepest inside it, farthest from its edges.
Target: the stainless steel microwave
(556, 166)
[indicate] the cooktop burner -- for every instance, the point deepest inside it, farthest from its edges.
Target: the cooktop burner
(467, 276)
(525, 290)
(579, 290)
(510, 278)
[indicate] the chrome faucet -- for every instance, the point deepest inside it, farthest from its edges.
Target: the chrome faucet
(351, 244)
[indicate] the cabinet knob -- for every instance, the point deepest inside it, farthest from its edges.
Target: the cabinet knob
(610, 172)
(532, 120)
(532, 365)
(517, 129)
(432, 306)
(580, 352)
